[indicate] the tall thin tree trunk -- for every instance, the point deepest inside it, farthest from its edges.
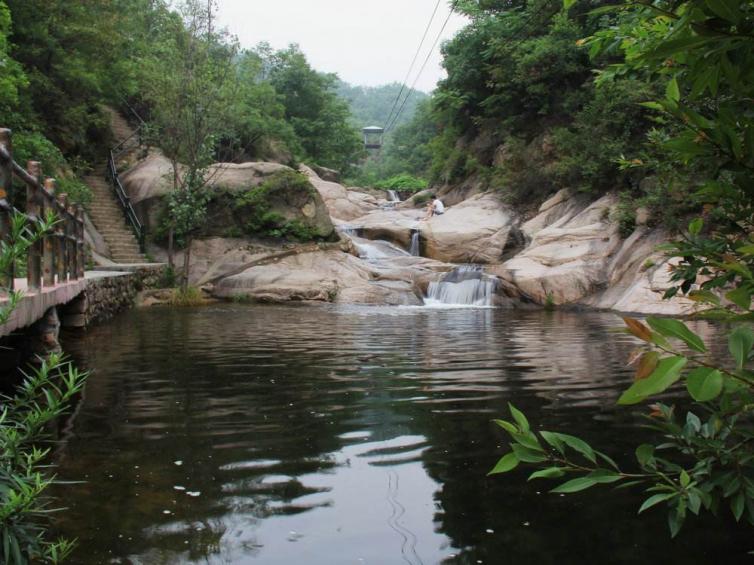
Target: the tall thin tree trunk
(171, 258)
(186, 264)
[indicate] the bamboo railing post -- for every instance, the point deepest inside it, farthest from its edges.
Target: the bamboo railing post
(34, 212)
(49, 248)
(6, 181)
(80, 243)
(61, 258)
(73, 244)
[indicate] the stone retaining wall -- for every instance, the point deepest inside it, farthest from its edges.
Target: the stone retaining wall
(108, 292)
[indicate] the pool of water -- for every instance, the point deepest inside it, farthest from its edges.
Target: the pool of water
(344, 435)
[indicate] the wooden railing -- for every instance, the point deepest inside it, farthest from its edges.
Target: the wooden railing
(60, 255)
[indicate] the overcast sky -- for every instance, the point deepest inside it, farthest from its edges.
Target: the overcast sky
(367, 42)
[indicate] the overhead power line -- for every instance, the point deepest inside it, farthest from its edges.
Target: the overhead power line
(426, 60)
(413, 62)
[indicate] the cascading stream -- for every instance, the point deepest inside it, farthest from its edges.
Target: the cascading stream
(414, 248)
(393, 196)
(466, 285)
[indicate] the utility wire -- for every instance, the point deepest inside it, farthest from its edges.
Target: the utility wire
(413, 62)
(426, 60)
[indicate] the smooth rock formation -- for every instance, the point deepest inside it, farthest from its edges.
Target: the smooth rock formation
(576, 256)
(328, 276)
(149, 181)
(394, 225)
(475, 231)
(567, 260)
(343, 204)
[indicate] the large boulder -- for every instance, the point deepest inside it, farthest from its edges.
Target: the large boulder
(289, 202)
(342, 203)
(638, 276)
(576, 256)
(327, 276)
(567, 260)
(394, 225)
(477, 230)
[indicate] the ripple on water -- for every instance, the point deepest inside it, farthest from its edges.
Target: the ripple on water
(332, 435)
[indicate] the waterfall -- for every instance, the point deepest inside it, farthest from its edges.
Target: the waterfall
(467, 285)
(393, 196)
(372, 250)
(414, 248)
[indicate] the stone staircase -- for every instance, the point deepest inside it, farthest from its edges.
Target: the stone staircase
(105, 211)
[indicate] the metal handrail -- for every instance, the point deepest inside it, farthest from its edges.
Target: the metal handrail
(124, 200)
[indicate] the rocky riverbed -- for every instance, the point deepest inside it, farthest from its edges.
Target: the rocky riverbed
(569, 253)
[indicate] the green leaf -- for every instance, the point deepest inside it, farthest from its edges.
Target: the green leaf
(507, 462)
(726, 9)
(604, 476)
(567, 4)
(737, 505)
(676, 516)
(668, 371)
(677, 329)
(549, 473)
(704, 383)
(741, 297)
(575, 485)
(579, 445)
(655, 499)
(740, 343)
(684, 478)
(526, 455)
(521, 420)
(645, 454)
(553, 439)
(528, 440)
(653, 105)
(507, 426)
(695, 226)
(704, 296)
(746, 249)
(671, 90)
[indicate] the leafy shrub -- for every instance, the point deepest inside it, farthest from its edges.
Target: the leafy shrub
(255, 207)
(190, 296)
(624, 214)
(403, 182)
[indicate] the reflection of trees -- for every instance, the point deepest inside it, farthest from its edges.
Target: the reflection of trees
(174, 385)
(252, 400)
(565, 371)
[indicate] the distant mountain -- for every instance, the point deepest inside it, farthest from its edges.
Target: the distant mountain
(371, 105)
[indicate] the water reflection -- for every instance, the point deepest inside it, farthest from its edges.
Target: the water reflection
(325, 435)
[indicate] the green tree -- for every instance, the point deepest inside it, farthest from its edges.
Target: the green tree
(319, 117)
(47, 392)
(703, 53)
(191, 91)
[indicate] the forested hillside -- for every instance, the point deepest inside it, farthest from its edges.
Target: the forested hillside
(372, 105)
(530, 106)
(63, 60)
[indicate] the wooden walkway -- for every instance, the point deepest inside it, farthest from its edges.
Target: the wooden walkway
(35, 302)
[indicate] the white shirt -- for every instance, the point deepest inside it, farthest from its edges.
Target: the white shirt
(438, 206)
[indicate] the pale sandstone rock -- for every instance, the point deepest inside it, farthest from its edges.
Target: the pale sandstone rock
(394, 225)
(342, 204)
(568, 259)
(322, 276)
(475, 231)
(150, 180)
(577, 257)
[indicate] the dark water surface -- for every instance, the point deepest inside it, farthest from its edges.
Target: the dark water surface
(334, 435)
